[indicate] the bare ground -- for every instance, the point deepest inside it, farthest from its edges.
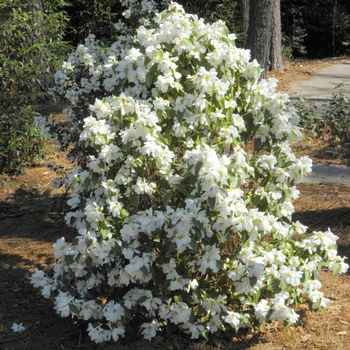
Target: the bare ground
(32, 218)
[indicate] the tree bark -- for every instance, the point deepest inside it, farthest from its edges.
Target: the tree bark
(245, 18)
(263, 30)
(260, 32)
(276, 58)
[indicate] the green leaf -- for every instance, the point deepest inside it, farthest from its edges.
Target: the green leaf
(147, 60)
(187, 298)
(257, 145)
(265, 181)
(144, 270)
(180, 188)
(211, 202)
(68, 259)
(88, 262)
(273, 285)
(177, 298)
(197, 224)
(116, 250)
(172, 247)
(144, 236)
(193, 245)
(222, 281)
(88, 242)
(74, 309)
(253, 280)
(141, 300)
(166, 198)
(204, 333)
(336, 269)
(149, 79)
(94, 179)
(288, 164)
(87, 183)
(306, 276)
(166, 285)
(134, 200)
(229, 115)
(104, 230)
(189, 86)
(219, 264)
(124, 213)
(180, 115)
(198, 168)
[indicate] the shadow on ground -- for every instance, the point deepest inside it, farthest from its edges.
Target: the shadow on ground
(30, 214)
(337, 220)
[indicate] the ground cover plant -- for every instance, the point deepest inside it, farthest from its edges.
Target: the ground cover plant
(181, 227)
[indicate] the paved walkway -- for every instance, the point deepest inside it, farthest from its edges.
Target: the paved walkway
(329, 174)
(319, 89)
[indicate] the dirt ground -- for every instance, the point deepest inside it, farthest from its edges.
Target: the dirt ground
(32, 219)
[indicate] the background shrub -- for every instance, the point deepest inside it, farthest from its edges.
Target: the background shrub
(31, 49)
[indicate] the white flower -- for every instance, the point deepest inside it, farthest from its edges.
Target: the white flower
(152, 304)
(38, 279)
(291, 276)
(87, 309)
(209, 259)
(18, 327)
(194, 329)
(216, 305)
(232, 318)
(261, 310)
(114, 206)
(97, 334)
(149, 329)
(144, 187)
(93, 212)
(116, 332)
(170, 270)
(62, 301)
(113, 311)
(214, 324)
(205, 79)
(180, 313)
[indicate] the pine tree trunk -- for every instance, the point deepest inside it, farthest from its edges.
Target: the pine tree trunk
(276, 58)
(260, 32)
(245, 18)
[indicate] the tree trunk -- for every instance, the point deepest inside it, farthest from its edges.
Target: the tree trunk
(245, 18)
(276, 58)
(263, 30)
(260, 32)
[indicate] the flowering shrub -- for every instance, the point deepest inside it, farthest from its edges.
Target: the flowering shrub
(86, 76)
(184, 207)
